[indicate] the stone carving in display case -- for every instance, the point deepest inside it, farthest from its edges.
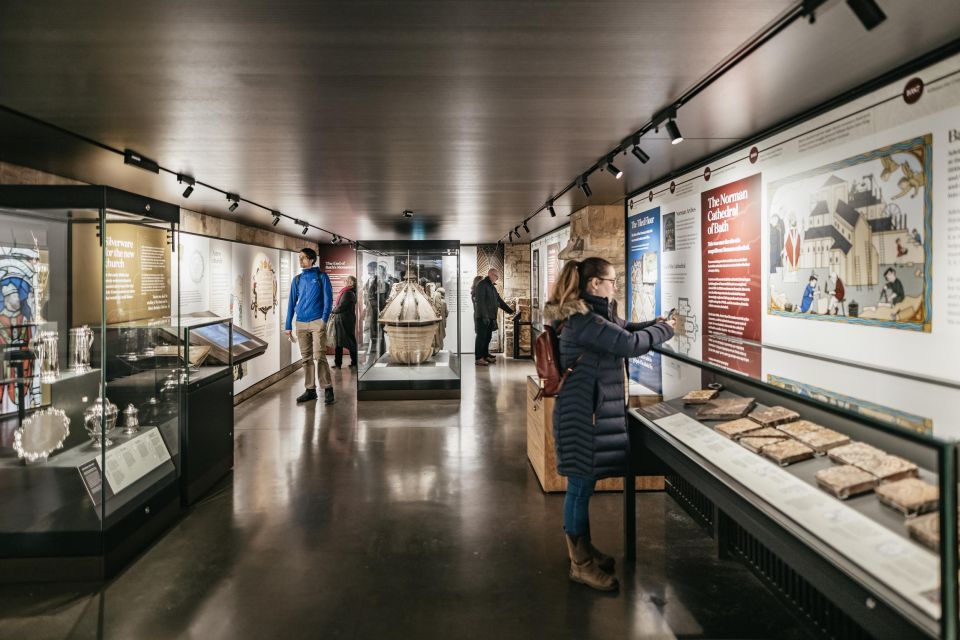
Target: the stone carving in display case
(410, 322)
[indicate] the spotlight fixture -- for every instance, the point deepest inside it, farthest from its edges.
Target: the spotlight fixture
(674, 131)
(553, 212)
(510, 239)
(235, 199)
(638, 152)
(304, 232)
(525, 227)
(140, 161)
(276, 217)
(583, 186)
(407, 213)
(868, 11)
(612, 169)
(189, 181)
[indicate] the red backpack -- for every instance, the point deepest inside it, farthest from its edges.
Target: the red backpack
(546, 355)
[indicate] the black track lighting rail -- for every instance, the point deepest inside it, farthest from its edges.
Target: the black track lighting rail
(869, 14)
(135, 159)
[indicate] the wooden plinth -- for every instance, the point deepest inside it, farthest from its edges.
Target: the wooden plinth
(543, 455)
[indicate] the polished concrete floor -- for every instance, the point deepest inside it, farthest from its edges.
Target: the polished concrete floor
(400, 520)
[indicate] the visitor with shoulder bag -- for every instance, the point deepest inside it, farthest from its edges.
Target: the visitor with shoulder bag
(590, 416)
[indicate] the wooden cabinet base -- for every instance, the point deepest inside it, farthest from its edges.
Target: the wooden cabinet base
(543, 456)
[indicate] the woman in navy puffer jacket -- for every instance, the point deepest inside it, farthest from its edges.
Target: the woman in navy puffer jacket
(589, 418)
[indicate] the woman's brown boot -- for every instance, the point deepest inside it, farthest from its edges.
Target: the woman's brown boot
(584, 569)
(603, 561)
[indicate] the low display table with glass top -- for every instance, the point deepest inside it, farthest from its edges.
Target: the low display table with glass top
(834, 482)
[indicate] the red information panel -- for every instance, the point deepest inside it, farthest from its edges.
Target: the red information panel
(338, 263)
(731, 273)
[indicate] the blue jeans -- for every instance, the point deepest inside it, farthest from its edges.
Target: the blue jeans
(576, 505)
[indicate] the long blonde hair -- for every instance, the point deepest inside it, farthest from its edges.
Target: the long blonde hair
(573, 279)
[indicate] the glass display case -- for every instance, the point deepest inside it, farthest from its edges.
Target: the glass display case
(408, 306)
(835, 481)
(90, 414)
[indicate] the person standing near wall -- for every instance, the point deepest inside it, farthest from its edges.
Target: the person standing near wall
(345, 323)
(486, 303)
(589, 417)
(311, 302)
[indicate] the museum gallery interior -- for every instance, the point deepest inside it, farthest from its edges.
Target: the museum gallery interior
(250, 387)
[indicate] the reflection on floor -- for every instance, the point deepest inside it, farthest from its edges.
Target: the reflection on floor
(401, 520)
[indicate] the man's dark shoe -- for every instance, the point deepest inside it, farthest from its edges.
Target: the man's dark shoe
(491, 359)
(306, 396)
(328, 395)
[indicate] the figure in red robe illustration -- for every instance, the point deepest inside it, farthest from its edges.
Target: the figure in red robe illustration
(791, 245)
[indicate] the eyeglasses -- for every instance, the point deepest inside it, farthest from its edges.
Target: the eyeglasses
(613, 280)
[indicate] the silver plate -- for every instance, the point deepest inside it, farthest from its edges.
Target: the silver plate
(41, 434)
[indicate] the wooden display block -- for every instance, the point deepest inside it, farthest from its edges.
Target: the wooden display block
(543, 456)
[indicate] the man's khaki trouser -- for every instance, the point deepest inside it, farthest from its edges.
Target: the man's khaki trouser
(312, 337)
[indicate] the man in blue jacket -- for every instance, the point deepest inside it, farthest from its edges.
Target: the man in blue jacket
(311, 299)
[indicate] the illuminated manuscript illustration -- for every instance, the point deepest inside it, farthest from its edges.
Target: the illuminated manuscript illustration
(849, 241)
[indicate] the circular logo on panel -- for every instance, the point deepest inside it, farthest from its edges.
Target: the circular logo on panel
(754, 155)
(913, 91)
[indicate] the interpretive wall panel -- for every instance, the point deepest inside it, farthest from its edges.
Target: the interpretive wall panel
(545, 268)
(137, 273)
(643, 303)
(839, 236)
(256, 291)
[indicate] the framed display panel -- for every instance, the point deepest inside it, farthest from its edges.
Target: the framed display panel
(410, 319)
(90, 442)
(837, 471)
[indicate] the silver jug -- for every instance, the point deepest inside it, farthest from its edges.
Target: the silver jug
(81, 340)
(99, 419)
(46, 346)
(131, 424)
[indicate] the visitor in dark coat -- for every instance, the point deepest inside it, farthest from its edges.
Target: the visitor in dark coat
(589, 417)
(345, 323)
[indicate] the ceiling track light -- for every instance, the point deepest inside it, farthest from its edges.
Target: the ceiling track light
(510, 238)
(612, 168)
(187, 180)
(868, 11)
(583, 186)
(525, 227)
(640, 154)
(553, 212)
(674, 132)
(235, 200)
(276, 217)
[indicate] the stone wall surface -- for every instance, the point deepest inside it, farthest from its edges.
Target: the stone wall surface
(516, 291)
(602, 232)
